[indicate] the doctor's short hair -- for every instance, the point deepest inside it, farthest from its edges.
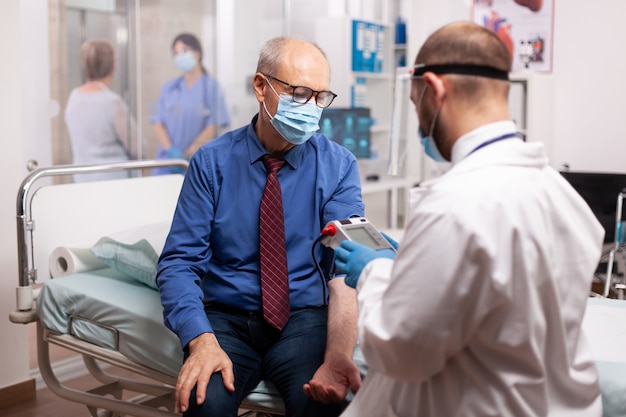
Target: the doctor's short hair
(97, 58)
(270, 58)
(468, 43)
(465, 42)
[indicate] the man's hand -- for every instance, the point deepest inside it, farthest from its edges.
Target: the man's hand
(205, 358)
(333, 378)
(351, 257)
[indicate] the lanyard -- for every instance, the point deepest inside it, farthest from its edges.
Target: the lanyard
(497, 139)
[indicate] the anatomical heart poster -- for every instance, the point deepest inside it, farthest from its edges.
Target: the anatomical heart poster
(525, 26)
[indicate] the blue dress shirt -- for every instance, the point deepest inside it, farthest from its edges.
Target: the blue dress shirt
(212, 251)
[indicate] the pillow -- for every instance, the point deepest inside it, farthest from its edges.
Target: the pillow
(137, 260)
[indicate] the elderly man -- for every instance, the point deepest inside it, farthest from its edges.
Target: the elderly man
(238, 282)
(480, 312)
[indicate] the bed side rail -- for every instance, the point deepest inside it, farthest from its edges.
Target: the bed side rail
(27, 276)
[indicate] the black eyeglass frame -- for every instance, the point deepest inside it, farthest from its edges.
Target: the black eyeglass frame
(299, 99)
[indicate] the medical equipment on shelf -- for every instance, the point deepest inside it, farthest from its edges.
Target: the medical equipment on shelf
(358, 229)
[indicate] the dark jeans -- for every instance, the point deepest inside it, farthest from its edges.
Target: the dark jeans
(258, 351)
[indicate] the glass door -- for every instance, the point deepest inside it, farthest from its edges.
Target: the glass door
(72, 22)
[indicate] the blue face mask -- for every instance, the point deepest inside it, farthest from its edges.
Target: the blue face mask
(185, 61)
(427, 141)
(430, 148)
(295, 122)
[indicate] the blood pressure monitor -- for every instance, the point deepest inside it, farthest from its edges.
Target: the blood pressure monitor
(357, 229)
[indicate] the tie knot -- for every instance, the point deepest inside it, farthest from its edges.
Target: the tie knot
(273, 163)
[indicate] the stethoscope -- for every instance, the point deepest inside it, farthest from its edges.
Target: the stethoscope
(203, 111)
(496, 139)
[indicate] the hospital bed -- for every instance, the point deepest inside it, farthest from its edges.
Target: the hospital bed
(104, 307)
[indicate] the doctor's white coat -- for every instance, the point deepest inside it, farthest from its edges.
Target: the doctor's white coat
(480, 314)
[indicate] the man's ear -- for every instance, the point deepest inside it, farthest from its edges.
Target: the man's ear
(438, 85)
(259, 85)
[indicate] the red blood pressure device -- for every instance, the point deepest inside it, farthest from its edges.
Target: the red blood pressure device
(358, 229)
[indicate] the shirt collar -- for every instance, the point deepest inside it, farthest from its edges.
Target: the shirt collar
(471, 140)
(256, 151)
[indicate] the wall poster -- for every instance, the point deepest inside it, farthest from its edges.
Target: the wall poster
(525, 26)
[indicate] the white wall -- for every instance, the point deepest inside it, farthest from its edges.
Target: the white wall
(36, 92)
(238, 52)
(13, 342)
(586, 89)
(590, 85)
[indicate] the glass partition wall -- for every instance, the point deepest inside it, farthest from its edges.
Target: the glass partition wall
(231, 33)
(142, 32)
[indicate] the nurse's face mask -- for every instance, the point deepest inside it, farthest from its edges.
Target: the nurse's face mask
(185, 60)
(297, 116)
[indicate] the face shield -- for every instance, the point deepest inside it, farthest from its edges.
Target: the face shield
(399, 119)
(401, 104)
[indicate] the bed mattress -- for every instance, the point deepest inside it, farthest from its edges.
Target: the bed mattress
(111, 310)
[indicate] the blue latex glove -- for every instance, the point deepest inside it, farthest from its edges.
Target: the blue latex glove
(391, 241)
(351, 257)
(174, 153)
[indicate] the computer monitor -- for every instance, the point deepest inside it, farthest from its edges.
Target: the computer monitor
(600, 190)
(349, 127)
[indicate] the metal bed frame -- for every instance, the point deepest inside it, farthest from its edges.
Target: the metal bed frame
(155, 396)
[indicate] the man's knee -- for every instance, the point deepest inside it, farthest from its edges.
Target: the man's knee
(219, 402)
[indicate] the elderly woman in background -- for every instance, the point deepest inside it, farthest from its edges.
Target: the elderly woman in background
(97, 117)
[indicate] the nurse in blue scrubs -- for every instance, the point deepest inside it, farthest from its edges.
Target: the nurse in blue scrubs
(191, 108)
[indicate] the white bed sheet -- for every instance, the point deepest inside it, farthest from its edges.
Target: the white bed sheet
(605, 327)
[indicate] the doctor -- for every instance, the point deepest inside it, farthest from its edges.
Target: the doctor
(480, 313)
(191, 107)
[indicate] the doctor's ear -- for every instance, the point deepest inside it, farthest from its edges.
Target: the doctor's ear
(437, 84)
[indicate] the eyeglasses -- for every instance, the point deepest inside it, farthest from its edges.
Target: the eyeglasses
(302, 95)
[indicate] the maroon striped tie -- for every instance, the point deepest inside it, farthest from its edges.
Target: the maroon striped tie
(273, 253)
